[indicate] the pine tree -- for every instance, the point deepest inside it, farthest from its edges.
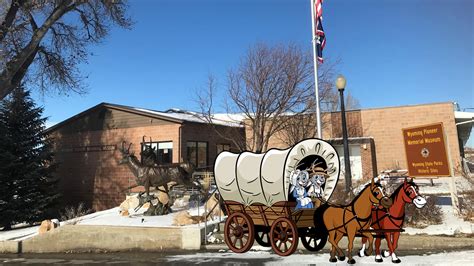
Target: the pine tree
(27, 189)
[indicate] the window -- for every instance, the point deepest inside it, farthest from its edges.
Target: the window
(197, 153)
(163, 151)
(223, 147)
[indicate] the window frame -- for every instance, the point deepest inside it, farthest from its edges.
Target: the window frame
(157, 149)
(196, 144)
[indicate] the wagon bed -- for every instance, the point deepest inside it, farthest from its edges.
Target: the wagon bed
(263, 215)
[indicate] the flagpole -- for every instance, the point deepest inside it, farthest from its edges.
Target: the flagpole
(315, 60)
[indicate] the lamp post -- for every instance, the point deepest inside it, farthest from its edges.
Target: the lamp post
(341, 84)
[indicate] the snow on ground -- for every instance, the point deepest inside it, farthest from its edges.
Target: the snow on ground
(445, 258)
(451, 225)
(442, 185)
(110, 217)
(19, 233)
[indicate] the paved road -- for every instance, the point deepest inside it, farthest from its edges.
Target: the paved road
(224, 257)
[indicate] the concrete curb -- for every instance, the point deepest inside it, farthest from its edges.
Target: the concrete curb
(93, 238)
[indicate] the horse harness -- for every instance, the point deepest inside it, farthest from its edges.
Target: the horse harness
(392, 219)
(365, 220)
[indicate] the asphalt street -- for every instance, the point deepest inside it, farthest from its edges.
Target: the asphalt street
(457, 256)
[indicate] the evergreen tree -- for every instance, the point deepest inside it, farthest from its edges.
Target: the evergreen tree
(27, 189)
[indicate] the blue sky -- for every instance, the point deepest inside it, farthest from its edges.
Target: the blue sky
(392, 52)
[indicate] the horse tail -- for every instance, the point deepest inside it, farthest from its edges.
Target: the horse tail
(318, 218)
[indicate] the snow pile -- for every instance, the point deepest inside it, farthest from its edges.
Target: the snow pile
(111, 217)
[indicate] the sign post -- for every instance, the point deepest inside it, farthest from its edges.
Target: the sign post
(426, 151)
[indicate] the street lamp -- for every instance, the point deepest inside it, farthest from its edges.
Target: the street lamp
(341, 84)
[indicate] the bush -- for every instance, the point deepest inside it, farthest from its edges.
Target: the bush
(428, 215)
(72, 213)
(340, 196)
(467, 205)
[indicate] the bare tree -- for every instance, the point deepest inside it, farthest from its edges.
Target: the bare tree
(334, 102)
(301, 126)
(235, 131)
(271, 85)
(43, 41)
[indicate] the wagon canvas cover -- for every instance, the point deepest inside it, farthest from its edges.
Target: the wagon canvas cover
(250, 178)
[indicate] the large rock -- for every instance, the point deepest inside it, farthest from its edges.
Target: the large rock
(48, 225)
(184, 218)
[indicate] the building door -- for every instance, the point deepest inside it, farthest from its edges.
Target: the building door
(355, 159)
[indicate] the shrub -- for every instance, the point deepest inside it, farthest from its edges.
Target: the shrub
(467, 205)
(428, 215)
(72, 213)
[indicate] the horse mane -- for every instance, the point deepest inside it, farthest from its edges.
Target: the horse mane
(395, 193)
(360, 193)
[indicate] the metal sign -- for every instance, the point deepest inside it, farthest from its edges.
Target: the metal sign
(426, 151)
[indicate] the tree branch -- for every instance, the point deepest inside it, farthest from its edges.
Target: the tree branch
(9, 75)
(10, 17)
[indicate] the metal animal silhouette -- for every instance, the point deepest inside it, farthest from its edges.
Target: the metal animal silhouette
(156, 176)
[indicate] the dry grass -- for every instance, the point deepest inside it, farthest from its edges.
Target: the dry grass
(467, 201)
(428, 215)
(467, 205)
(73, 214)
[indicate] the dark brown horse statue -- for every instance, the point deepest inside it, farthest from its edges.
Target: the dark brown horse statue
(157, 176)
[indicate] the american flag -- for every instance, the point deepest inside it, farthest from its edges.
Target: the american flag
(320, 37)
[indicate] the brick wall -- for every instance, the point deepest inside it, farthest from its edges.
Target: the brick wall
(89, 170)
(385, 126)
(202, 132)
(94, 177)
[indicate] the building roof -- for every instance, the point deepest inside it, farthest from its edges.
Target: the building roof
(172, 115)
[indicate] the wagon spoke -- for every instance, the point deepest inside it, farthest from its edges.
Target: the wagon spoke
(286, 247)
(234, 242)
(241, 242)
(279, 246)
(236, 221)
(246, 230)
(280, 227)
(276, 238)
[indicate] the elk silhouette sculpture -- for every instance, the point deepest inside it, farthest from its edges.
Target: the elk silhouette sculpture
(157, 175)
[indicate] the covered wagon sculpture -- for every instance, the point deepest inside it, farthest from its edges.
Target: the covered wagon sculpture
(259, 195)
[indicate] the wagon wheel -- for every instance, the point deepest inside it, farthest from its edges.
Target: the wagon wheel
(262, 237)
(312, 239)
(284, 236)
(239, 232)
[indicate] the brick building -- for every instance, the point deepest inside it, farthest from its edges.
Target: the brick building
(86, 147)
(376, 139)
(86, 144)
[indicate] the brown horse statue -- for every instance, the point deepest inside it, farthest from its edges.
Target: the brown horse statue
(157, 176)
(350, 220)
